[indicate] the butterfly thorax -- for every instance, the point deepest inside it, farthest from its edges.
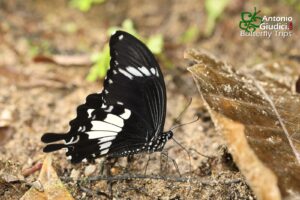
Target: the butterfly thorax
(157, 144)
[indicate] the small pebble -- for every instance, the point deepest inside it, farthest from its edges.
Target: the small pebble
(89, 170)
(75, 174)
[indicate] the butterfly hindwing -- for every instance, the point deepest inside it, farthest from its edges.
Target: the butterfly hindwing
(127, 114)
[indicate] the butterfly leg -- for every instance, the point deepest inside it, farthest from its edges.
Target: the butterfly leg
(173, 160)
(145, 172)
(163, 163)
(109, 163)
(130, 160)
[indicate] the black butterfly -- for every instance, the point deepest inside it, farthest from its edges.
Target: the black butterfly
(128, 116)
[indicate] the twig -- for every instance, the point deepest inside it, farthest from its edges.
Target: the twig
(28, 171)
(206, 156)
(157, 177)
(92, 193)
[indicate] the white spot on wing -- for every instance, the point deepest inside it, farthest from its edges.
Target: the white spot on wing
(105, 91)
(144, 70)
(105, 145)
(105, 139)
(89, 111)
(153, 70)
(104, 151)
(69, 157)
(126, 74)
(113, 119)
(104, 106)
(110, 81)
(114, 71)
(134, 71)
(120, 103)
(126, 114)
(100, 125)
(109, 109)
(99, 134)
(72, 141)
(121, 37)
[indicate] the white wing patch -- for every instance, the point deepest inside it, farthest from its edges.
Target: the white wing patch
(125, 73)
(121, 37)
(100, 125)
(113, 119)
(144, 70)
(105, 145)
(98, 134)
(107, 130)
(153, 70)
(134, 71)
(126, 114)
(104, 151)
(105, 139)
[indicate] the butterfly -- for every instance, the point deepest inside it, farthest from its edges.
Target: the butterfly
(127, 117)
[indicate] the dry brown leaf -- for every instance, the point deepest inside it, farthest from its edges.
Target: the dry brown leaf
(261, 179)
(66, 60)
(27, 80)
(51, 186)
(270, 117)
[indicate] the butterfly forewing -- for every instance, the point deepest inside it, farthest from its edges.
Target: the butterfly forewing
(127, 114)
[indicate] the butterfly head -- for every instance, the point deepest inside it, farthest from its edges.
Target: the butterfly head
(168, 135)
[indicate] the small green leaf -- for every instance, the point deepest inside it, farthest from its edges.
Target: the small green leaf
(128, 26)
(84, 5)
(190, 35)
(155, 43)
(214, 9)
(99, 69)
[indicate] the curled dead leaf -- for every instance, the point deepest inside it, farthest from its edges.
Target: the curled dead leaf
(50, 187)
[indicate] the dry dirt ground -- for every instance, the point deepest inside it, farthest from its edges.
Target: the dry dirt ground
(38, 97)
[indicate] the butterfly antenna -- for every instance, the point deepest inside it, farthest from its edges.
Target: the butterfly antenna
(180, 125)
(184, 110)
(206, 156)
